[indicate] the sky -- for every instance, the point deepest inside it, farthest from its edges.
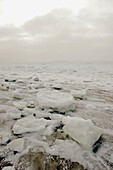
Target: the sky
(56, 31)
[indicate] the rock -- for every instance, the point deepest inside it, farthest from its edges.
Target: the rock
(58, 101)
(16, 145)
(81, 130)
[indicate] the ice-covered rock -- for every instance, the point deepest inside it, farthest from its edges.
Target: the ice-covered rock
(58, 101)
(78, 93)
(81, 130)
(16, 145)
(28, 124)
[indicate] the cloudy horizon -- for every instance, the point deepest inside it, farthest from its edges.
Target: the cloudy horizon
(56, 32)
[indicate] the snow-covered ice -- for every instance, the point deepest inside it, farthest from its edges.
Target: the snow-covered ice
(58, 101)
(58, 113)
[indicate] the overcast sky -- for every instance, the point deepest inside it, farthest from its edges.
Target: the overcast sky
(56, 30)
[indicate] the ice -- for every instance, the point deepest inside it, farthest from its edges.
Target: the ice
(31, 124)
(91, 107)
(4, 137)
(82, 91)
(20, 105)
(58, 101)
(10, 112)
(16, 145)
(78, 93)
(28, 124)
(8, 168)
(81, 130)
(17, 95)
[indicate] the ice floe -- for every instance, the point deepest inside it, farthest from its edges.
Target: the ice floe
(81, 130)
(31, 124)
(28, 124)
(4, 137)
(58, 101)
(16, 145)
(78, 93)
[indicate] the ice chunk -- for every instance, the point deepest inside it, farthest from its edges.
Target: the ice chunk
(3, 99)
(4, 137)
(28, 124)
(91, 107)
(59, 101)
(17, 95)
(20, 105)
(16, 145)
(78, 93)
(8, 168)
(81, 130)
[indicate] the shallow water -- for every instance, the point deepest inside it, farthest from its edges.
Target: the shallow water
(97, 105)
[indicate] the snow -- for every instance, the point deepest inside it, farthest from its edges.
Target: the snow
(81, 130)
(58, 101)
(16, 145)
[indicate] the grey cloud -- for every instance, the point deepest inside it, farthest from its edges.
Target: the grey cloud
(61, 36)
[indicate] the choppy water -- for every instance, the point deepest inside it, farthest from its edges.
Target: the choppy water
(96, 79)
